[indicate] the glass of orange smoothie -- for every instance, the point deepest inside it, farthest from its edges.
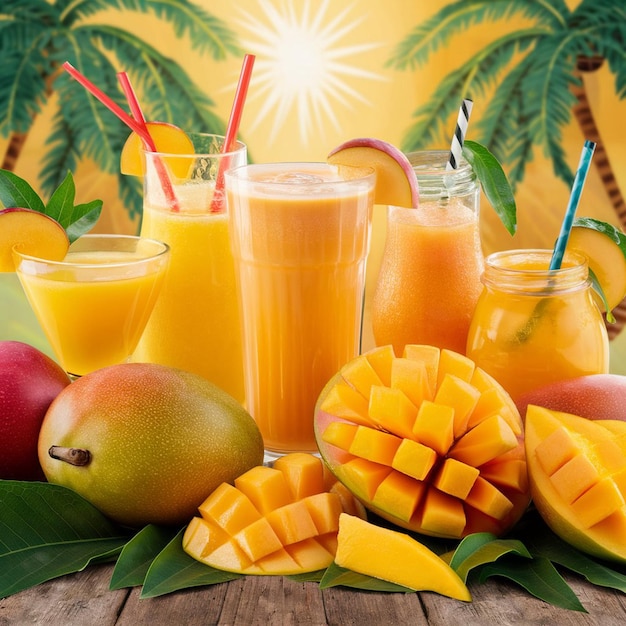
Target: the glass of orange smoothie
(94, 304)
(300, 236)
(195, 324)
(533, 326)
(429, 277)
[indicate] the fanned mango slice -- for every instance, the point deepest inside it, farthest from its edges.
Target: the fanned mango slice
(275, 520)
(395, 557)
(576, 470)
(441, 451)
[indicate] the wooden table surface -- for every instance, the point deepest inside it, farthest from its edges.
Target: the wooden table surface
(84, 599)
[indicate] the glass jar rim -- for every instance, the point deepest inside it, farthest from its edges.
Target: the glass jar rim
(516, 276)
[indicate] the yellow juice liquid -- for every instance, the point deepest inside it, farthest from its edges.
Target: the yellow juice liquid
(526, 341)
(301, 264)
(429, 279)
(195, 323)
(92, 323)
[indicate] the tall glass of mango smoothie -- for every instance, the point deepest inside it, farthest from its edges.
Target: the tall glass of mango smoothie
(195, 324)
(429, 276)
(533, 326)
(300, 235)
(94, 304)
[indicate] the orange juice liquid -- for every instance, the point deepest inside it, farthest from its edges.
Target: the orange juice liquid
(526, 338)
(92, 323)
(429, 279)
(301, 271)
(195, 323)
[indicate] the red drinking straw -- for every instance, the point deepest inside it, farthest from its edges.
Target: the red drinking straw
(149, 144)
(232, 129)
(137, 125)
(108, 103)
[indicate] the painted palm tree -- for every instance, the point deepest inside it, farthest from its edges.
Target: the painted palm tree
(538, 70)
(38, 36)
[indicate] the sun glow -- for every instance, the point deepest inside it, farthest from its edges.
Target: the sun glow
(301, 66)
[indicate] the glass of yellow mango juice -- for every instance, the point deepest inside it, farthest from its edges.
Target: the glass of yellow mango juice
(533, 326)
(195, 324)
(300, 236)
(94, 304)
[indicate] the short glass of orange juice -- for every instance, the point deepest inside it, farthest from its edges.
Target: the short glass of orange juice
(429, 276)
(195, 324)
(300, 236)
(94, 304)
(533, 326)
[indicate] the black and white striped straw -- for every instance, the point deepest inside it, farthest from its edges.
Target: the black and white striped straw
(459, 134)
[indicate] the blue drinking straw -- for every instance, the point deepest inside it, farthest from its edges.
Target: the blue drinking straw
(568, 220)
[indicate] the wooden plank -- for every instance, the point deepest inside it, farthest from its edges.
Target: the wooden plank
(275, 600)
(501, 602)
(81, 599)
(190, 607)
(345, 607)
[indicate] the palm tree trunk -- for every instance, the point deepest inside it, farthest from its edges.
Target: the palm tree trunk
(584, 116)
(16, 143)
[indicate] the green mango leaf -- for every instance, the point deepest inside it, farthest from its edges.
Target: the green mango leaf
(308, 577)
(482, 548)
(538, 576)
(547, 545)
(493, 181)
(47, 531)
(85, 217)
(16, 192)
(338, 576)
(173, 569)
(137, 555)
(597, 287)
(76, 219)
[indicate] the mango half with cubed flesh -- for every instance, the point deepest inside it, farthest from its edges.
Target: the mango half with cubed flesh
(427, 441)
(577, 472)
(274, 520)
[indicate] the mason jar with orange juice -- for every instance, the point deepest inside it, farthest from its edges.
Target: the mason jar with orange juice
(533, 326)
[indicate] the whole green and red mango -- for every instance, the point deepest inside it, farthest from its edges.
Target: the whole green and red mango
(29, 382)
(596, 397)
(145, 443)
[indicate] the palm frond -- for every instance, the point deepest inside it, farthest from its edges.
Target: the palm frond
(31, 11)
(207, 33)
(457, 17)
(166, 92)
(548, 99)
(131, 194)
(473, 78)
(62, 155)
(22, 92)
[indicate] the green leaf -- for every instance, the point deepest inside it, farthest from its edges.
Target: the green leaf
(89, 215)
(137, 555)
(16, 192)
(546, 544)
(494, 182)
(173, 569)
(307, 577)
(482, 548)
(538, 576)
(338, 576)
(75, 219)
(61, 204)
(48, 531)
(597, 287)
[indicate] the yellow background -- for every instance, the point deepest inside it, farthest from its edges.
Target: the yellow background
(367, 34)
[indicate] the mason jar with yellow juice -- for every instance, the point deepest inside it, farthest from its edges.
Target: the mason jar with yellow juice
(533, 326)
